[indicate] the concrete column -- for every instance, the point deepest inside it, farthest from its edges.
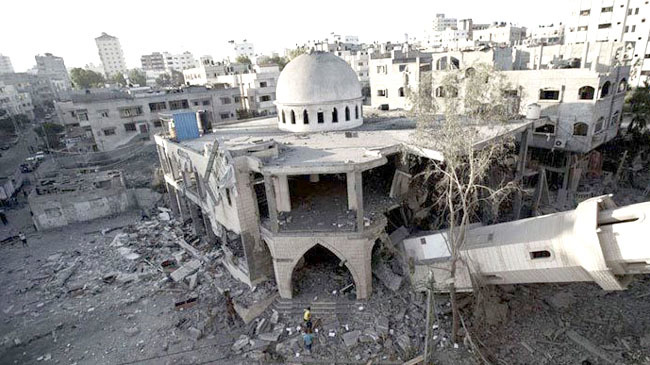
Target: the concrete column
(197, 221)
(355, 196)
(282, 195)
(182, 207)
(173, 199)
(209, 233)
(283, 271)
(270, 201)
(314, 178)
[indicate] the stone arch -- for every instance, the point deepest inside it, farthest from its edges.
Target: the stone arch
(305, 117)
(580, 129)
(347, 113)
(604, 90)
(586, 93)
(284, 121)
(622, 85)
(356, 112)
(293, 117)
(335, 115)
(356, 277)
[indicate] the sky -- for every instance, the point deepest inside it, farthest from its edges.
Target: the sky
(67, 28)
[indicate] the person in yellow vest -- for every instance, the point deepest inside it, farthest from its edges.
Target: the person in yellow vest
(307, 317)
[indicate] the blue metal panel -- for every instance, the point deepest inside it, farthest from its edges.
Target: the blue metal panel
(186, 126)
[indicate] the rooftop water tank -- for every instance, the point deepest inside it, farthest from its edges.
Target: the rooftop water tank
(533, 111)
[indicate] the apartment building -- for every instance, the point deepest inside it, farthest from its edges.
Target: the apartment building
(53, 67)
(14, 102)
(153, 62)
(5, 65)
(257, 89)
(112, 118)
(111, 54)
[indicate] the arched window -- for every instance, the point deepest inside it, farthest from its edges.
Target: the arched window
(400, 92)
(293, 117)
(452, 92)
(471, 71)
(599, 125)
(305, 117)
(321, 118)
(283, 120)
(335, 116)
(604, 91)
(440, 92)
(586, 93)
(454, 63)
(622, 86)
(347, 114)
(356, 112)
(448, 92)
(580, 129)
(441, 64)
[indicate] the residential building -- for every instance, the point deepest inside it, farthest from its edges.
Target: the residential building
(207, 73)
(116, 118)
(243, 49)
(111, 55)
(53, 67)
(153, 62)
(14, 102)
(178, 62)
(95, 68)
(5, 65)
(440, 23)
(257, 89)
(548, 34)
(41, 90)
(603, 21)
(499, 34)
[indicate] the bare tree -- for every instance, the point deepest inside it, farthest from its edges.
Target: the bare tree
(472, 106)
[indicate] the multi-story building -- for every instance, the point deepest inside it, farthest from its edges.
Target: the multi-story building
(603, 21)
(499, 34)
(440, 23)
(548, 34)
(40, 89)
(111, 55)
(14, 102)
(243, 49)
(178, 62)
(153, 62)
(257, 88)
(207, 73)
(94, 68)
(53, 67)
(115, 118)
(5, 65)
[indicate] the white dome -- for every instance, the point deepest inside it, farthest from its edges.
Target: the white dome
(316, 78)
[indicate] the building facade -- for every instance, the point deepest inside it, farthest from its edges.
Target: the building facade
(153, 62)
(111, 119)
(53, 67)
(14, 102)
(40, 89)
(5, 65)
(111, 54)
(257, 89)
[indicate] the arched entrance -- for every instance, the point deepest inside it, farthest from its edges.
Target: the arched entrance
(319, 272)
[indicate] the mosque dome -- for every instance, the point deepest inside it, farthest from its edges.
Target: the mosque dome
(318, 91)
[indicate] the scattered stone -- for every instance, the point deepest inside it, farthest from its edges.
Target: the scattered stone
(195, 333)
(193, 279)
(351, 338)
(382, 325)
(391, 280)
(131, 331)
(242, 342)
(404, 342)
(185, 270)
(275, 317)
(562, 300)
(259, 344)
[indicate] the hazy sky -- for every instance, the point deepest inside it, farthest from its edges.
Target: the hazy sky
(67, 28)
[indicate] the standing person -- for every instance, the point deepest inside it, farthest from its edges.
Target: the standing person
(307, 318)
(230, 308)
(23, 238)
(308, 338)
(3, 218)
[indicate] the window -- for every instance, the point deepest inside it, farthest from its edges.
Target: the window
(400, 92)
(82, 115)
(284, 121)
(599, 125)
(109, 131)
(129, 127)
(580, 129)
(321, 118)
(604, 91)
(225, 100)
(157, 123)
(605, 26)
(549, 94)
(335, 116)
(347, 114)
(585, 12)
(356, 112)
(402, 68)
(228, 196)
(178, 104)
(381, 92)
(305, 117)
(586, 93)
(583, 28)
(157, 106)
(196, 103)
(608, 9)
(205, 102)
(237, 99)
(224, 115)
(636, 11)
(627, 28)
(265, 98)
(103, 113)
(548, 128)
(622, 86)
(544, 254)
(633, 28)
(130, 112)
(293, 117)
(263, 84)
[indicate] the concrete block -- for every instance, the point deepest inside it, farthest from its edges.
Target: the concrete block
(351, 338)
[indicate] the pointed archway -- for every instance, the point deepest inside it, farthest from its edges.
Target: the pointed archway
(319, 272)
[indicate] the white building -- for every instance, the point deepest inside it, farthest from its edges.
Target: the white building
(499, 34)
(153, 62)
(95, 68)
(207, 73)
(602, 21)
(441, 23)
(178, 62)
(5, 65)
(257, 89)
(243, 49)
(546, 34)
(112, 118)
(111, 55)
(53, 67)
(14, 102)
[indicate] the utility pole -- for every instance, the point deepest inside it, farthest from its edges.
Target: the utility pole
(431, 318)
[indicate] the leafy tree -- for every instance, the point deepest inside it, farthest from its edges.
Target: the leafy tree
(119, 79)
(280, 61)
(137, 77)
(50, 131)
(243, 59)
(295, 53)
(177, 78)
(6, 123)
(84, 79)
(164, 80)
(639, 107)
